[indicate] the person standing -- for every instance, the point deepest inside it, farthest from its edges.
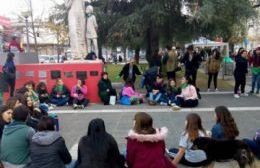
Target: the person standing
(172, 62)
(129, 71)
(213, 66)
(255, 62)
(240, 73)
(9, 72)
(192, 62)
(14, 46)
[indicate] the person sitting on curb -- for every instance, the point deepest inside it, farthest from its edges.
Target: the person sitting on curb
(105, 89)
(78, 93)
(188, 96)
(129, 95)
(60, 94)
(158, 89)
(169, 98)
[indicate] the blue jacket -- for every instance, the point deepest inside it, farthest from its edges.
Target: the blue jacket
(217, 132)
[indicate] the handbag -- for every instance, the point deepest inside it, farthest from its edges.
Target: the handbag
(112, 100)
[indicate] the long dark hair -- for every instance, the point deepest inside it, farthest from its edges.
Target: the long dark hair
(217, 56)
(97, 137)
(143, 123)
(3, 108)
(194, 125)
(10, 103)
(40, 85)
(46, 124)
(225, 119)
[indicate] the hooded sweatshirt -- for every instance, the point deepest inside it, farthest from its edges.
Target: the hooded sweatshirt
(145, 151)
(48, 150)
(15, 143)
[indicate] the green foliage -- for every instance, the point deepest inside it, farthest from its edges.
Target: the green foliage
(225, 18)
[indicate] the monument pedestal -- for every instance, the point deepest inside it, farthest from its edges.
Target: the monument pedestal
(69, 72)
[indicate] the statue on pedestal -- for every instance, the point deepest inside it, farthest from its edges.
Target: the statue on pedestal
(91, 32)
(77, 22)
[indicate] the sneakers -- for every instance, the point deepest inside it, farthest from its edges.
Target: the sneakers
(244, 94)
(176, 107)
(152, 103)
(216, 90)
(236, 96)
(208, 90)
(75, 106)
(163, 104)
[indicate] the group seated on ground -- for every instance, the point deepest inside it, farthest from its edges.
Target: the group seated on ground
(44, 147)
(158, 93)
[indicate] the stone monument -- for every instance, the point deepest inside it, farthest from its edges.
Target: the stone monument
(91, 32)
(77, 22)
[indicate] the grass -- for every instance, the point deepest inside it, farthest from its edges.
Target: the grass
(202, 78)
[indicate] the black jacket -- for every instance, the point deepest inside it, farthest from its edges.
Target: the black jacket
(193, 64)
(241, 65)
(48, 150)
(109, 159)
(125, 72)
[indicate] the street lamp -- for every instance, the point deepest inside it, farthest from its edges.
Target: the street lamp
(26, 15)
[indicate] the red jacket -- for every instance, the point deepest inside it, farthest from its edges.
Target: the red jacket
(147, 151)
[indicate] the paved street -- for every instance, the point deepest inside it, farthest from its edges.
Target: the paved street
(118, 119)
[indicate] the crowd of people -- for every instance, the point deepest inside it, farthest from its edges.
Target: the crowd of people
(43, 146)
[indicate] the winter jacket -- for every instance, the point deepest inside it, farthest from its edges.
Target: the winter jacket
(77, 93)
(108, 159)
(125, 72)
(159, 86)
(9, 70)
(43, 96)
(255, 61)
(241, 66)
(193, 64)
(16, 142)
(172, 61)
(14, 46)
(55, 93)
(189, 93)
(147, 151)
(48, 150)
(103, 85)
(130, 92)
(213, 64)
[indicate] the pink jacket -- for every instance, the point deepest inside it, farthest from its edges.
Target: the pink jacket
(81, 96)
(189, 93)
(129, 91)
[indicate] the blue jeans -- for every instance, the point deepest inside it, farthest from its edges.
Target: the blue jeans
(72, 164)
(255, 82)
(253, 146)
(60, 101)
(155, 97)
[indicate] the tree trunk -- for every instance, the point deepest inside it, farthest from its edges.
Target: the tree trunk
(137, 55)
(152, 42)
